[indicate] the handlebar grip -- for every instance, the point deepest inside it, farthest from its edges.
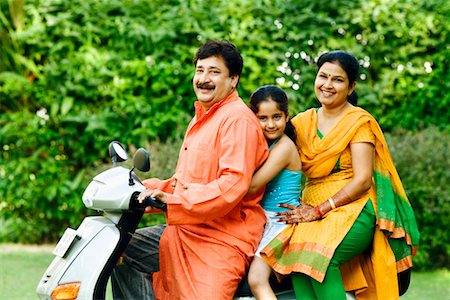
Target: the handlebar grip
(156, 203)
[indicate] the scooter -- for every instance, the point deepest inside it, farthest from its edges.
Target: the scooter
(85, 258)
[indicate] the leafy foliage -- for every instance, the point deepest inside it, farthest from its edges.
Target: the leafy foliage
(423, 162)
(75, 75)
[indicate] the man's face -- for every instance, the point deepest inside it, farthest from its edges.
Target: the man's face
(212, 81)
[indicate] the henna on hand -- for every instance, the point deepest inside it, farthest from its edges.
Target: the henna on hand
(299, 214)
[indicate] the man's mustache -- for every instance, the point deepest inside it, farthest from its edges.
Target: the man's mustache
(206, 86)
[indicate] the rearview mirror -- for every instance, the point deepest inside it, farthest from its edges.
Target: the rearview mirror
(141, 160)
(117, 152)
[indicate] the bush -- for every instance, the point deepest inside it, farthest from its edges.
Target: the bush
(43, 191)
(423, 162)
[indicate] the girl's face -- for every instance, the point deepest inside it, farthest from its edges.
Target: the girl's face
(332, 85)
(272, 119)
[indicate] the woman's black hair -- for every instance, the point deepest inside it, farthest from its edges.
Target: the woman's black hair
(277, 95)
(347, 62)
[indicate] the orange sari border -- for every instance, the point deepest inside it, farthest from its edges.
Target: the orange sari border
(386, 225)
(313, 247)
(299, 268)
(397, 233)
(285, 236)
(404, 264)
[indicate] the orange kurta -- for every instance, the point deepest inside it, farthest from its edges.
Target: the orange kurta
(213, 230)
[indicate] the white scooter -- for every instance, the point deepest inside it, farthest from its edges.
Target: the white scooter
(86, 257)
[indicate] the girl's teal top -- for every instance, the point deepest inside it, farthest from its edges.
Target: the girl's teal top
(283, 188)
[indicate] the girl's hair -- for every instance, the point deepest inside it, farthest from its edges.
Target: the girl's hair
(277, 95)
(347, 62)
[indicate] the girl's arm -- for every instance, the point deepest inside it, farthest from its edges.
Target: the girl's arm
(278, 159)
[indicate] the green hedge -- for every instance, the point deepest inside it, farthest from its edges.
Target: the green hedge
(128, 62)
(75, 75)
(423, 162)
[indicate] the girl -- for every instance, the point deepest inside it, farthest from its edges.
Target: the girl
(281, 173)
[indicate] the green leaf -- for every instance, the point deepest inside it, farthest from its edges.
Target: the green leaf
(66, 105)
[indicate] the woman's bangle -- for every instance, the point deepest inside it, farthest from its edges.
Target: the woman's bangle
(331, 201)
(319, 211)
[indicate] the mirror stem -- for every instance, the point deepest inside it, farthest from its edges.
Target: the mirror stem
(130, 180)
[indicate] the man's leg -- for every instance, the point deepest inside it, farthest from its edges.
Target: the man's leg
(132, 278)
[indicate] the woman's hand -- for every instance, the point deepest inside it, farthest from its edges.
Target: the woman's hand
(298, 214)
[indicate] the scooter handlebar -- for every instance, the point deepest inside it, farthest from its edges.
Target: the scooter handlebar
(153, 202)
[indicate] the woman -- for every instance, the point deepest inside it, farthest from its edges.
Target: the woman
(355, 219)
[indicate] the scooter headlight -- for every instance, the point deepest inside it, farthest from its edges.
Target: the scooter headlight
(66, 291)
(90, 192)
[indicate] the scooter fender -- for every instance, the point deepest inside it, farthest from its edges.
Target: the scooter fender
(85, 259)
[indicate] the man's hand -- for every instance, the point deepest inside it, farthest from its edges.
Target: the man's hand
(160, 195)
(157, 194)
(143, 194)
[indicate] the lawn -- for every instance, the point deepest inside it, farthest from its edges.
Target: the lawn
(429, 285)
(22, 267)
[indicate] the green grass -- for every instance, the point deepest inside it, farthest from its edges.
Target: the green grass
(429, 285)
(21, 268)
(20, 271)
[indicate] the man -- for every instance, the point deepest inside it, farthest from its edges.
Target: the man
(213, 228)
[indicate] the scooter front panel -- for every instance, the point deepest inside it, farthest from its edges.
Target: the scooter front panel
(85, 259)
